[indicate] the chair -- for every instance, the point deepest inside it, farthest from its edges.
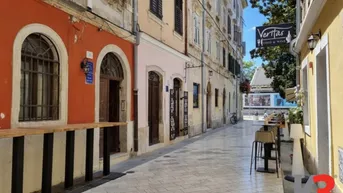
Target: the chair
(262, 137)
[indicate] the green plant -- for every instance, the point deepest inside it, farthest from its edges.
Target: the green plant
(295, 115)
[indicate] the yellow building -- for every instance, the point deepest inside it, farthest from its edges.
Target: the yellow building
(321, 79)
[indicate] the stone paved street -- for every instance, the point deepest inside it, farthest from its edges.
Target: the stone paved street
(217, 163)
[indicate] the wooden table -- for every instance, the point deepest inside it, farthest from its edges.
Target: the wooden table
(18, 135)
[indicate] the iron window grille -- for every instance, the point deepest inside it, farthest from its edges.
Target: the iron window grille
(40, 80)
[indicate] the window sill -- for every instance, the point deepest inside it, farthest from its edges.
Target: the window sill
(32, 124)
(153, 17)
(179, 36)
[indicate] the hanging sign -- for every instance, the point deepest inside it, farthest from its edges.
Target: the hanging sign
(274, 35)
(89, 75)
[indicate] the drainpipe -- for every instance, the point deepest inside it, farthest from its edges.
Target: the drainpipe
(135, 60)
(186, 28)
(203, 122)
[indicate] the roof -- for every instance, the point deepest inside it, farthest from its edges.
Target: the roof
(259, 79)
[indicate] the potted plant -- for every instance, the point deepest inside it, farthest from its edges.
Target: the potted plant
(295, 117)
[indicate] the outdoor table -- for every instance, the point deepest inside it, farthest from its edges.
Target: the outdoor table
(268, 148)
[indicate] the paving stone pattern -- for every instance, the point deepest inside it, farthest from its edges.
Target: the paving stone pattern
(217, 163)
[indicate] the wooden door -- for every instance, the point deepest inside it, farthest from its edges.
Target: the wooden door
(177, 87)
(103, 108)
(114, 114)
(153, 107)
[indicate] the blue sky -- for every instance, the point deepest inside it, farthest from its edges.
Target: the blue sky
(252, 18)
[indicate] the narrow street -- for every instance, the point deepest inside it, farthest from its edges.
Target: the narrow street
(218, 162)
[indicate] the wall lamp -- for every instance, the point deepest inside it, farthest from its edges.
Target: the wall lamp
(210, 72)
(313, 39)
(85, 66)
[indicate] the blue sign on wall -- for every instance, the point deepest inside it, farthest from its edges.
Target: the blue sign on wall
(89, 76)
(280, 102)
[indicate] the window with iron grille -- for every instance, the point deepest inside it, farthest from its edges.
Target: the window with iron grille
(40, 80)
(224, 55)
(196, 95)
(156, 8)
(216, 92)
(178, 17)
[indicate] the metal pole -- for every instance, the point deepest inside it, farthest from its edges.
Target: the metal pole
(135, 91)
(297, 58)
(203, 122)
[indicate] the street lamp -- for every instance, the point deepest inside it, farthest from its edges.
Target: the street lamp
(312, 40)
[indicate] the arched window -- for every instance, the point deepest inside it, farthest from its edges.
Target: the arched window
(111, 67)
(40, 80)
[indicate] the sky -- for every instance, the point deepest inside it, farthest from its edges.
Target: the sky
(252, 19)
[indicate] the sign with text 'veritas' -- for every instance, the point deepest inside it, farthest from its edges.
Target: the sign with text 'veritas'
(274, 35)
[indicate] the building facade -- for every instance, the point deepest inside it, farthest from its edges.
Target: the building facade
(42, 83)
(162, 86)
(320, 79)
(218, 51)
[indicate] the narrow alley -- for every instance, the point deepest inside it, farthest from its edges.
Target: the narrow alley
(217, 162)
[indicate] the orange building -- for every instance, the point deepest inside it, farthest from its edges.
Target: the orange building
(43, 44)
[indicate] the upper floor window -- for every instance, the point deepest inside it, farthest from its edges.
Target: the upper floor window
(224, 55)
(216, 93)
(178, 17)
(156, 8)
(196, 95)
(224, 16)
(218, 51)
(218, 6)
(40, 80)
(209, 41)
(196, 23)
(229, 24)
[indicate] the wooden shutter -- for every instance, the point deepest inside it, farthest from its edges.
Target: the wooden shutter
(228, 24)
(156, 7)
(178, 17)
(224, 55)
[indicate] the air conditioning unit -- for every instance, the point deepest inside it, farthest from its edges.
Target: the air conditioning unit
(80, 5)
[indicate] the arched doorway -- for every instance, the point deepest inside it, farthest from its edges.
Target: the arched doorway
(208, 106)
(111, 75)
(177, 91)
(224, 109)
(154, 107)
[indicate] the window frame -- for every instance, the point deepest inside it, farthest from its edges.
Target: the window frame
(216, 93)
(159, 4)
(197, 105)
(177, 8)
(196, 26)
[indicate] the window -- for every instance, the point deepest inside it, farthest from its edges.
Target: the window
(209, 41)
(235, 35)
(216, 92)
(218, 6)
(224, 55)
(40, 80)
(156, 8)
(306, 105)
(196, 29)
(196, 95)
(224, 16)
(218, 50)
(178, 17)
(229, 25)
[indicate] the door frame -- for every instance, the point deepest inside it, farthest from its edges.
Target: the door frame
(159, 103)
(323, 45)
(209, 105)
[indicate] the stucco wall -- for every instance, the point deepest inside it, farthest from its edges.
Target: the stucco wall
(330, 22)
(81, 97)
(168, 64)
(161, 29)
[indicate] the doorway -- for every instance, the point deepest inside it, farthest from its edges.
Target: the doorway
(154, 107)
(177, 91)
(209, 106)
(111, 76)
(322, 113)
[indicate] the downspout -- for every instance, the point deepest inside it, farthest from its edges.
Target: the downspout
(186, 28)
(136, 32)
(203, 122)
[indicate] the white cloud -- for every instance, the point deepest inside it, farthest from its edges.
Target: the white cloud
(252, 29)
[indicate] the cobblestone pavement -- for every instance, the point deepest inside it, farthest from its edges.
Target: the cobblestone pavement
(218, 163)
